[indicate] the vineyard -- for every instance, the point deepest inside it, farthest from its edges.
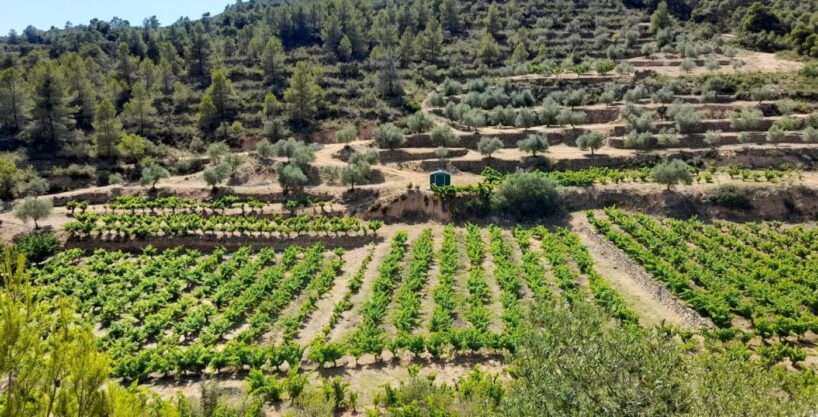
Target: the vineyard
(754, 281)
(439, 292)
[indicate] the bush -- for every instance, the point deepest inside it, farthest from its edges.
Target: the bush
(789, 124)
(776, 134)
(810, 135)
(672, 173)
(527, 194)
(444, 136)
(746, 119)
(185, 166)
(38, 246)
(389, 136)
(346, 134)
(730, 195)
(712, 138)
(687, 119)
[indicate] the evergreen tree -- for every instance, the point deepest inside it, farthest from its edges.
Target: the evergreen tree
(492, 23)
(489, 50)
(450, 15)
(125, 65)
(272, 60)
(139, 113)
(15, 100)
(430, 41)
(331, 33)
(51, 117)
(225, 101)
(389, 83)
(82, 90)
(303, 94)
(198, 54)
(107, 129)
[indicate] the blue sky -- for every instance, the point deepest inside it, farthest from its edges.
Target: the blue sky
(46, 13)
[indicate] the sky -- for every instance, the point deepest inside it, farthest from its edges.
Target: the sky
(46, 13)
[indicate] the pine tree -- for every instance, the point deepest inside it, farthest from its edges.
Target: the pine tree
(492, 22)
(345, 49)
(198, 54)
(272, 60)
(389, 83)
(450, 15)
(489, 50)
(139, 113)
(207, 117)
(225, 101)
(406, 49)
(331, 33)
(15, 100)
(430, 41)
(107, 129)
(82, 90)
(125, 66)
(303, 94)
(51, 117)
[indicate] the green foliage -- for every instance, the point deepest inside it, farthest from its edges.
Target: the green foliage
(34, 209)
(671, 173)
(730, 195)
(389, 136)
(533, 143)
(489, 145)
(526, 194)
(38, 247)
(591, 140)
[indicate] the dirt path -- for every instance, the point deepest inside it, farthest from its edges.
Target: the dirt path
(427, 302)
(494, 307)
(352, 318)
(316, 322)
(650, 300)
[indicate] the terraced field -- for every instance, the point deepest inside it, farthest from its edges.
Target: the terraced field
(440, 293)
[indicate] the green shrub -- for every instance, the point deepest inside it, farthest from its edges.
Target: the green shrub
(730, 195)
(38, 246)
(527, 194)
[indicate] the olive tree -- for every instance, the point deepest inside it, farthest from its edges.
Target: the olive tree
(746, 119)
(443, 136)
(389, 136)
(687, 119)
(591, 140)
(419, 123)
(526, 194)
(672, 173)
(32, 208)
(533, 143)
(265, 149)
(489, 145)
(151, 174)
(217, 150)
(712, 138)
(290, 177)
(810, 135)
